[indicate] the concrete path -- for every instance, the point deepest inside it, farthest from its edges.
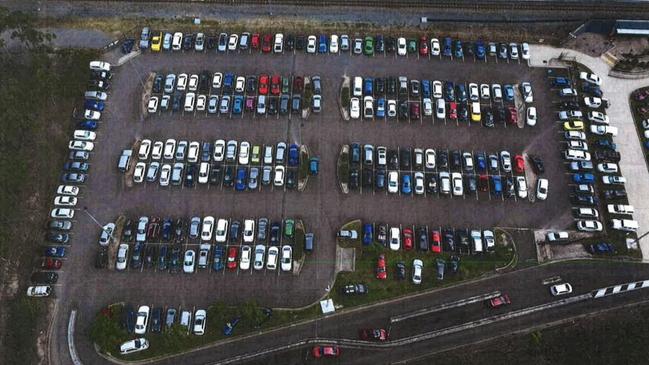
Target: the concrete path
(618, 91)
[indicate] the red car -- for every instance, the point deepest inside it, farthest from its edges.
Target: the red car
(275, 85)
(407, 238)
(51, 264)
(499, 301)
(325, 351)
(298, 84)
(266, 43)
(483, 183)
(254, 42)
(435, 242)
(381, 272)
(232, 257)
(250, 103)
(519, 164)
(452, 110)
(373, 334)
(512, 116)
(423, 46)
(263, 84)
(414, 110)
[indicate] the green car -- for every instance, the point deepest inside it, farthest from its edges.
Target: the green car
(412, 45)
(285, 85)
(369, 46)
(289, 228)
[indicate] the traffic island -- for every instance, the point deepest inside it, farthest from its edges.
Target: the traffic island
(342, 169)
(303, 169)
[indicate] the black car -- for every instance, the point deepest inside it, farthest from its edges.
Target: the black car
(174, 260)
(235, 227)
(56, 237)
(405, 159)
(136, 257)
(291, 178)
(228, 176)
(614, 194)
(290, 43)
(367, 178)
(179, 233)
(215, 174)
(176, 100)
(379, 86)
(393, 160)
(352, 289)
(462, 112)
(488, 118)
(454, 264)
(149, 256)
(167, 228)
(211, 42)
(379, 179)
(272, 106)
(44, 277)
(204, 80)
(382, 233)
(400, 270)
(468, 49)
(156, 320)
(583, 199)
(448, 239)
(537, 164)
(431, 183)
(442, 159)
(251, 85)
(354, 179)
(472, 183)
(422, 238)
(390, 44)
(510, 190)
(188, 42)
(403, 109)
(127, 45)
(127, 231)
(449, 91)
(189, 175)
(607, 155)
(502, 51)
(570, 105)
(157, 83)
(128, 318)
(456, 160)
(163, 258)
(391, 86)
(300, 42)
(101, 259)
(462, 236)
(275, 233)
(499, 115)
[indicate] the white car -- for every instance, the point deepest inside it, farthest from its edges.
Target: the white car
(260, 254)
(609, 168)
(192, 151)
(417, 269)
(590, 78)
(279, 176)
(65, 201)
(142, 320)
(190, 100)
(278, 46)
(200, 320)
(575, 135)
(474, 93)
(165, 174)
(592, 102)
(392, 108)
(531, 116)
(401, 46)
(560, 289)
(419, 183)
(613, 180)
(458, 188)
(526, 91)
(428, 107)
(177, 41)
(271, 259)
(620, 209)
(542, 189)
(355, 108)
(138, 173)
(437, 89)
(62, 213)
(68, 190)
(430, 158)
(435, 48)
(219, 150)
(181, 83)
(506, 161)
(201, 102)
(589, 226)
(217, 79)
(221, 230)
(203, 172)
(368, 107)
(156, 151)
(393, 182)
(91, 114)
(142, 224)
(333, 44)
(152, 107)
(557, 236)
(521, 187)
(122, 257)
(496, 92)
(244, 260)
(286, 263)
(189, 261)
(207, 229)
(83, 135)
(261, 104)
(81, 146)
(311, 44)
(595, 117)
(244, 153)
(440, 109)
(232, 42)
(603, 130)
(525, 51)
(395, 238)
(192, 85)
(169, 149)
(240, 84)
(39, 291)
(145, 148)
(484, 92)
(249, 230)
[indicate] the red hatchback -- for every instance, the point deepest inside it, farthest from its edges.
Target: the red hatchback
(519, 164)
(232, 257)
(423, 46)
(325, 351)
(254, 42)
(381, 272)
(414, 110)
(435, 242)
(407, 238)
(512, 116)
(483, 183)
(500, 301)
(275, 87)
(263, 84)
(266, 43)
(452, 110)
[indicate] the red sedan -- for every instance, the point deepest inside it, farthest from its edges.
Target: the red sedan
(325, 351)
(266, 43)
(519, 164)
(275, 87)
(423, 46)
(254, 43)
(51, 264)
(435, 242)
(512, 116)
(232, 257)
(371, 334)
(263, 84)
(499, 301)
(381, 272)
(407, 238)
(452, 110)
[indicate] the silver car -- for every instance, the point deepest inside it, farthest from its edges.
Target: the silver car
(267, 175)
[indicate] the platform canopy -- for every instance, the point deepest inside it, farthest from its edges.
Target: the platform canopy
(632, 27)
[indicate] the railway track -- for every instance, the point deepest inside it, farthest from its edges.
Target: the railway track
(609, 7)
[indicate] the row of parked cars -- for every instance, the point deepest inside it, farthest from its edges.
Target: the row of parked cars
(587, 169)
(402, 98)
(230, 94)
(74, 174)
(157, 41)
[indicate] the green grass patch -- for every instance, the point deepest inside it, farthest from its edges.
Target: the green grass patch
(354, 225)
(344, 97)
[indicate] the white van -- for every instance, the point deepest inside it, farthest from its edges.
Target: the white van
(177, 41)
(627, 225)
(358, 86)
(99, 66)
(186, 319)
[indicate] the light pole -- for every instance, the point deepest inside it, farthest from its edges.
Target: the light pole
(85, 209)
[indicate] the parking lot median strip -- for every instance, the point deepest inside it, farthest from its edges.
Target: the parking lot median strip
(444, 306)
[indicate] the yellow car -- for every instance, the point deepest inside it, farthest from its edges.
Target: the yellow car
(573, 125)
(156, 41)
(475, 112)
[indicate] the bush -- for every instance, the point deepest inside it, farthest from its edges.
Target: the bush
(344, 97)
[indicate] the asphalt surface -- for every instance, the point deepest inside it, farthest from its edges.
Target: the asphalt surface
(322, 206)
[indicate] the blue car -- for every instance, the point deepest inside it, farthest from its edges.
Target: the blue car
(219, 254)
(322, 44)
(241, 182)
(55, 252)
(481, 161)
(293, 155)
(449, 91)
(228, 81)
(314, 166)
(509, 92)
(480, 51)
(425, 88)
(406, 184)
(237, 106)
(583, 178)
(601, 248)
(368, 83)
(561, 82)
(380, 108)
(447, 48)
(94, 105)
(459, 53)
(89, 125)
(229, 327)
(368, 234)
(496, 185)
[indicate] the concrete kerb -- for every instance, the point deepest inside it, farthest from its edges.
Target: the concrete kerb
(343, 111)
